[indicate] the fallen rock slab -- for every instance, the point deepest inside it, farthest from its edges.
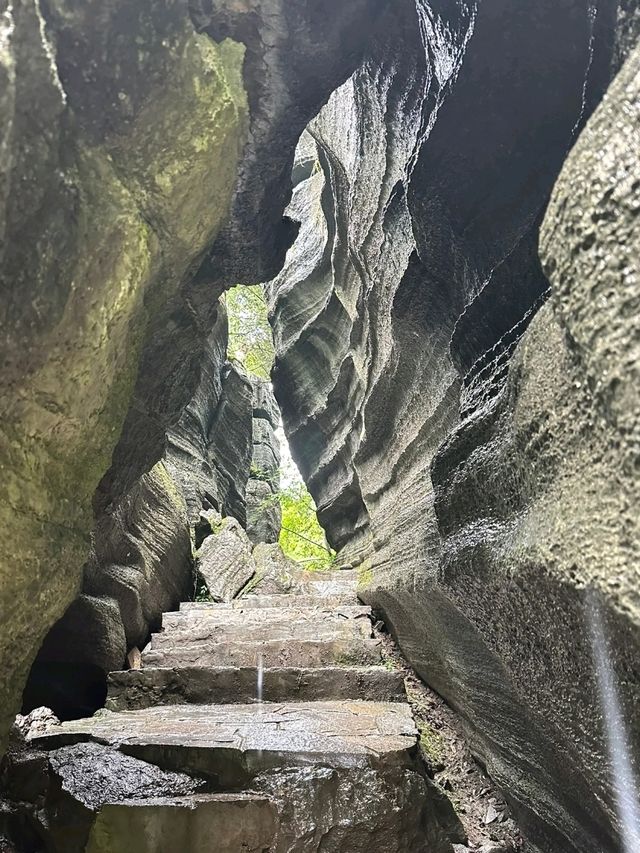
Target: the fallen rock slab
(233, 742)
(225, 562)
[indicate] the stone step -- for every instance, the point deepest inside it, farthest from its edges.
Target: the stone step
(251, 602)
(265, 615)
(341, 651)
(231, 744)
(237, 822)
(132, 689)
(195, 632)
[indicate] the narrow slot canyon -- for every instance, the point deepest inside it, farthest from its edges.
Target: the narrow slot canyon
(319, 426)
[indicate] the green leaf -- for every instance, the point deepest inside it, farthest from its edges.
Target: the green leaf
(250, 336)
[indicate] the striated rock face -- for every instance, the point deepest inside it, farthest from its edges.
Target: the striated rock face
(465, 418)
(468, 445)
(225, 561)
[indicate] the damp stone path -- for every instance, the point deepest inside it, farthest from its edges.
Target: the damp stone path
(282, 709)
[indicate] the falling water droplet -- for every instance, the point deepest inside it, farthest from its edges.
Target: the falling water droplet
(625, 787)
(260, 682)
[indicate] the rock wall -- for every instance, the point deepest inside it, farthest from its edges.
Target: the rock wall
(468, 439)
(264, 513)
(464, 419)
(132, 176)
(114, 118)
(141, 562)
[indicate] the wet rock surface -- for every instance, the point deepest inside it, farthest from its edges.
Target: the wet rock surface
(463, 407)
(52, 797)
(93, 774)
(95, 243)
(457, 410)
(237, 822)
(310, 799)
(108, 310)
(183, 684)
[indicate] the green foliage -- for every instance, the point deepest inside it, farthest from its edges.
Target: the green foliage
(250, 337)
(200, 590)
(267, 475)
(431, 742)
(301, 537)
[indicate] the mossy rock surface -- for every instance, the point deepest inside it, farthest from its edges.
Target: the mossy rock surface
(125, 179)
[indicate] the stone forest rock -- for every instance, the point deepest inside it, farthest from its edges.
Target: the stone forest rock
(275, 572)
(264, 513)
(142, 563)
(443, 200)
(116, 201)
(224, 561)
(113, 254)
(468, 445)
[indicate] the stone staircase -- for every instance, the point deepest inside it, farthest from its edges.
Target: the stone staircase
(282, 706)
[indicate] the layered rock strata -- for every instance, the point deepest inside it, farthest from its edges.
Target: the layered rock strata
(468, 445)
(141, 563)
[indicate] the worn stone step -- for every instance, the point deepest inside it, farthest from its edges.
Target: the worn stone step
(251, 602)
(131, 689)
(204, 631)
(231, 822)
(339, 651)
(265, 615)
(232, 743)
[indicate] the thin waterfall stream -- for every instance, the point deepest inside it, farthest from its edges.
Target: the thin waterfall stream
(624, 781)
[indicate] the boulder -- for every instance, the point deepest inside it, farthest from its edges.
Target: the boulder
(275, 572)
(64, 789)
(224, 561)
(359, 810)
